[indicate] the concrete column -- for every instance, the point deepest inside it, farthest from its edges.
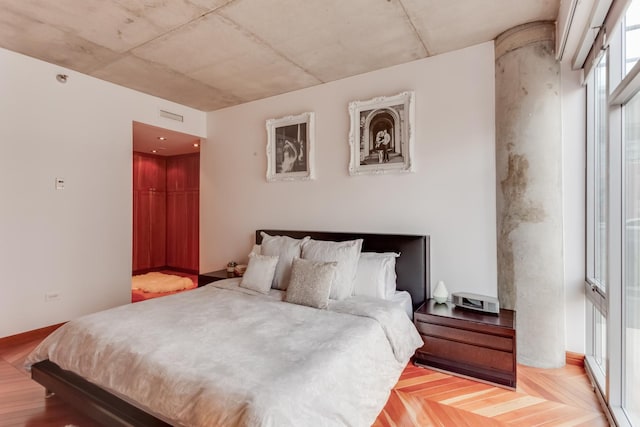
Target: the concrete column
(529, 191)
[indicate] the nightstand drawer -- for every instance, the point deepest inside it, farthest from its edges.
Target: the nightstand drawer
(467, 353)
(465, 336)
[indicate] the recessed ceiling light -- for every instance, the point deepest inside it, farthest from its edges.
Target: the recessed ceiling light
(154, 151)
(162, 138)
(196, 145)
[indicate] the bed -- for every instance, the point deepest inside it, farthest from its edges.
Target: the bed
(245, 359)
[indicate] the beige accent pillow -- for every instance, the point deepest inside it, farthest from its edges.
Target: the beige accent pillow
(310, 283)
(259, 274)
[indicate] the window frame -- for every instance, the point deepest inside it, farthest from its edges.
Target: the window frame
(621, 88)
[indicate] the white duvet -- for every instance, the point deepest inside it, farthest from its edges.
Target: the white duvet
(225, 356)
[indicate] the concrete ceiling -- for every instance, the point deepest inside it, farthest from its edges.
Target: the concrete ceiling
(210, 54)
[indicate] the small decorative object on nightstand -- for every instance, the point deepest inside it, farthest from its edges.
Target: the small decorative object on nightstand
(440, 293)
(468, 343)
(240, 269)
(231, 269)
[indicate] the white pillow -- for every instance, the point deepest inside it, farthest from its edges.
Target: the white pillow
(256, 250)
(346, 254)
(310, 283)
(286, 249)
(260, 272)
(376, 275)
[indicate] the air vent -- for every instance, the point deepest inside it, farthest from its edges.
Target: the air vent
(172, 116)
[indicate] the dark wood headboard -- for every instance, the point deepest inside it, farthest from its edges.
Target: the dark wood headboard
(412, 267)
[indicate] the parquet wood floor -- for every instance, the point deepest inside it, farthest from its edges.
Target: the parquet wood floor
(422, 397)
(544, 397)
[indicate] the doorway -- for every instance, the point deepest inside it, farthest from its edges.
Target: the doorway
(166, 194)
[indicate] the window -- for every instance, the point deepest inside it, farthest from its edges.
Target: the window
(631, 260)
(613, 213)
(600, 343)
(597, 223)
(601, 172)
(632, 36)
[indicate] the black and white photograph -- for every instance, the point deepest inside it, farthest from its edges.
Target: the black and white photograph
(381, 134)
(290, 148)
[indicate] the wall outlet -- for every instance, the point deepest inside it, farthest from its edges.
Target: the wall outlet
(52, 296)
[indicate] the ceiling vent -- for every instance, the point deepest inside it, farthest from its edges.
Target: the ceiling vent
(172, 116)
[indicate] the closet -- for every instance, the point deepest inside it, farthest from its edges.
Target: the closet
(166, 212)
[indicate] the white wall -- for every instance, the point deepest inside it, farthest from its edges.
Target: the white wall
(574, 161)
(451, 196)
(76, 241)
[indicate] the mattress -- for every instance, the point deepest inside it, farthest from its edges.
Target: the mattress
(404, 299)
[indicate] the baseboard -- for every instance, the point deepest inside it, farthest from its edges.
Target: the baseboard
(572, 358)
(29, 335)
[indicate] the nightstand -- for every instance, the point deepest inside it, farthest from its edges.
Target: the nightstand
(468, 343)
(212, 276)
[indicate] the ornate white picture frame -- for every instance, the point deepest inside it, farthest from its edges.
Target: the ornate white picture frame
(290, 142)
(382, 134)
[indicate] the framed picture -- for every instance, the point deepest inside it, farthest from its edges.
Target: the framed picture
(381, 134)
(290, 148)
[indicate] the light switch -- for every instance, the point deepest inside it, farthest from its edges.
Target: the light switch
(59, 183)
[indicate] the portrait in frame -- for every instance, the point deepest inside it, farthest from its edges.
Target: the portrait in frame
(381, 134)
(290, 142)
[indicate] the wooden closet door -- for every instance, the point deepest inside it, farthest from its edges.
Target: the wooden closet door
(149, 211)
(183, 173)
(183, 207)
(183, 229)
(141, 231)
(157, 228)
(149, 230)
(176, 244)
(149, 172)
